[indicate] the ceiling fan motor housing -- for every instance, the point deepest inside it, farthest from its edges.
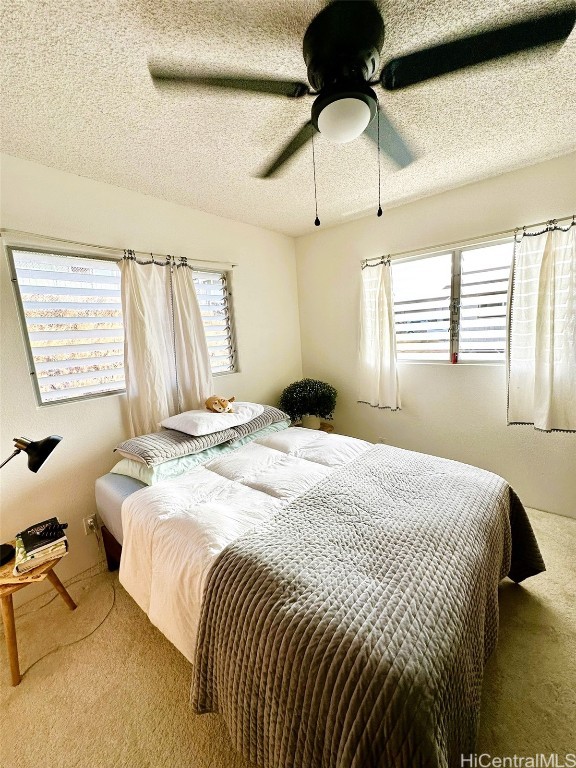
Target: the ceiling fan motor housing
(342, 44)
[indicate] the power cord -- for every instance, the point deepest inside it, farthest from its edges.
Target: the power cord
(54, 596)
(96, 528)
(80, 639)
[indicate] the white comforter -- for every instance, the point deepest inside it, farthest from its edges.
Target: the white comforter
(173, 531)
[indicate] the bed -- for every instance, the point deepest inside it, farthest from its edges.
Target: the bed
(336, 599)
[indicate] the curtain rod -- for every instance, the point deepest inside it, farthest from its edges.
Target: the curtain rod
(118, 252)
(478, 238)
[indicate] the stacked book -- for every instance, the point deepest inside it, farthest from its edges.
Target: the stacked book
(40, 543)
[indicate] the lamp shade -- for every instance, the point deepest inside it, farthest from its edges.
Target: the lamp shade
(38, 451)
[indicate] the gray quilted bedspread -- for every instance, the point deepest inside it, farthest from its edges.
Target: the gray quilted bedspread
(351, 630)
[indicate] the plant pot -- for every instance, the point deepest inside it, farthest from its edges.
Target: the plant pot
(311, 422)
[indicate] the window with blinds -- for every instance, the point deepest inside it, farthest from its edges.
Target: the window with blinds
(72, 313)
(214, 299)
(484, 275)
(422, 307)
(73, 316)
(453, 306)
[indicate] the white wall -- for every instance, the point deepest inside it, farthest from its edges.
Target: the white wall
(456, 411)
(46, 201)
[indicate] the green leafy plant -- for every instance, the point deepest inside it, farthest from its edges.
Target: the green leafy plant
(309, 397)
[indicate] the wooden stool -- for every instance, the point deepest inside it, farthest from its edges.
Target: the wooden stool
(9, 584)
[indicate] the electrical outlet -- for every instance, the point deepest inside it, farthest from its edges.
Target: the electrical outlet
(89, 525)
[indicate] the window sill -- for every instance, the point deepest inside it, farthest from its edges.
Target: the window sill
(460, 363)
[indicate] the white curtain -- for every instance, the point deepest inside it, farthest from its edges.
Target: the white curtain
(377, 370)
(166, 360)
(192, 357)
(542, 332)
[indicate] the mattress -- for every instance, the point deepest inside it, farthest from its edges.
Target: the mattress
(111, 490)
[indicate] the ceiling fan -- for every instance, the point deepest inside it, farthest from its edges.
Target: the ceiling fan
(342, 48)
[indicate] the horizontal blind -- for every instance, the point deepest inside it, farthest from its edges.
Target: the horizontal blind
(73, 315)
(422, 308)
(214, 300)
(484, 279)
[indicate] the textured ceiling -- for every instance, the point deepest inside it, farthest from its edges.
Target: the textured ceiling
(77, 95)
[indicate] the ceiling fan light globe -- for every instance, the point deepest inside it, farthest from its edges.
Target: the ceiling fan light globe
(343, 120)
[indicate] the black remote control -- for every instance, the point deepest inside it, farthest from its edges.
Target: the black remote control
(52, 529)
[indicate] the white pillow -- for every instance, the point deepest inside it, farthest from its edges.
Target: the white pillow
(205, 422)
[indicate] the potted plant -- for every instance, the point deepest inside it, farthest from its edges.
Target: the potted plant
(309, 401)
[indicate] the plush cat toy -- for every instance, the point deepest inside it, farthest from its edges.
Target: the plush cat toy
(220, 404)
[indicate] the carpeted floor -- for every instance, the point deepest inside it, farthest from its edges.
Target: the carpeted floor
(119, 697)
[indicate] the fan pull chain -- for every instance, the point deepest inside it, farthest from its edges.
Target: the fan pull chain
(379, 213)
(316, 220)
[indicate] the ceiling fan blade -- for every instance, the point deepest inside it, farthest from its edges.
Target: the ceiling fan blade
(296, 142)
(291, 88)
(475, 49)
(391, 143)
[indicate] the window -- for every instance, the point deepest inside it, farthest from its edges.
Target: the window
(71, 309)
(215, 307)
(422, 307)
(484, 274)
(73, 315)
(453, 305)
